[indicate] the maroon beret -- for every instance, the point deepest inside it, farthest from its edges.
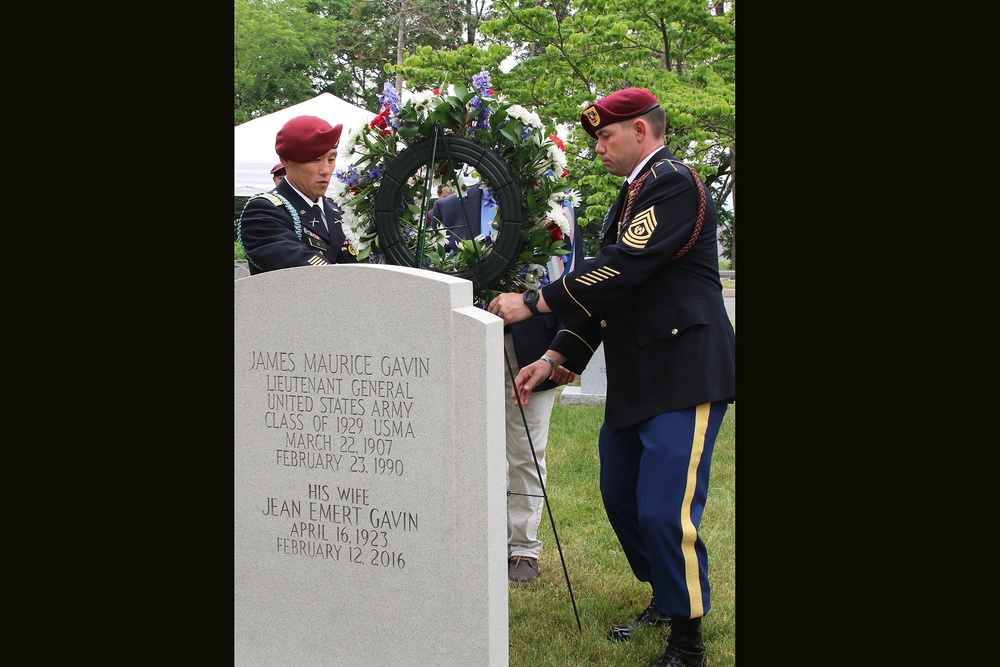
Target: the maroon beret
(305, 138)
(278, 170)
(618, 106)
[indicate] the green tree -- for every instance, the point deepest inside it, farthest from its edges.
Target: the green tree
(288, 51)
(276, 46)
(365, 37)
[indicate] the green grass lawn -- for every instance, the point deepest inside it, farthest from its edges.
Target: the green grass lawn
(543, 629)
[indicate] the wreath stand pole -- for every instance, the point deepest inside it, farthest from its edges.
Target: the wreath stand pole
(426, 204)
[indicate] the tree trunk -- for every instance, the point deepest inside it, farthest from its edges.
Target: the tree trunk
(400, 48)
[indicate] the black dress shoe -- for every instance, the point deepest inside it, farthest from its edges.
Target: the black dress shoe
(676, 656)
(649, 617)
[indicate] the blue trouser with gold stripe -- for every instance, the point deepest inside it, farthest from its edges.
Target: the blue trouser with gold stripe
(654, 482)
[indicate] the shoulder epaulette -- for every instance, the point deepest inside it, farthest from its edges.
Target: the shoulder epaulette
(277, 200)
(660, 164)
(269, 197)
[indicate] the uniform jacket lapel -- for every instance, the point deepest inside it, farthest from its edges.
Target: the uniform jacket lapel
(612, 215)
(333, 221)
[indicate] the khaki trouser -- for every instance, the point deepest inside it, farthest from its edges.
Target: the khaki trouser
(525, 501)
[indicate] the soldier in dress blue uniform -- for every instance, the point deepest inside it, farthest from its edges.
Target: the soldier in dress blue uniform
(653, 296)
(296, 224)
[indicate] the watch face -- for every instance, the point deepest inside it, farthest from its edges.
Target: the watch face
(530, 300)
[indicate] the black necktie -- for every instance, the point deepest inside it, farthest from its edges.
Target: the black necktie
(622, 199)
(318, 215)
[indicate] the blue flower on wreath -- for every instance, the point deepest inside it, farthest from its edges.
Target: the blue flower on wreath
(349, 175)
(488, 197)
(390, 97)
(481, 82)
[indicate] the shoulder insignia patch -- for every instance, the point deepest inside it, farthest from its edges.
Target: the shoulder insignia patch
(269, 197)
(640, 229)
(660, 165)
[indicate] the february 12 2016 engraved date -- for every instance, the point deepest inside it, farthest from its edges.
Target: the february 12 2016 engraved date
(338, 552)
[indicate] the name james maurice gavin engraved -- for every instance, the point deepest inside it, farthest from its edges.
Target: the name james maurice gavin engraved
(347, 414)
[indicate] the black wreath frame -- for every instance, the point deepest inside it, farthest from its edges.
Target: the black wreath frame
(503, 183)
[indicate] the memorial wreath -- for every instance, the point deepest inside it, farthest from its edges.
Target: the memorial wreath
(433, 136)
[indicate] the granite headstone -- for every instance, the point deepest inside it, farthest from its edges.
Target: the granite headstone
(593, 387)
(370, 512)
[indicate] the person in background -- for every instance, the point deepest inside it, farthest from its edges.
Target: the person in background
(277, 173)
(296, 224)
(444, 190)
(653, 296)
(523, 343)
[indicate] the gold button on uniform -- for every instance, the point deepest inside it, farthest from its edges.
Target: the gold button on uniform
(673, 331)
(604, 324)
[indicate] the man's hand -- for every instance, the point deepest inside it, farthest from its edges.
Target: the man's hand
(510, 306)
(530, 377)
(562, 375)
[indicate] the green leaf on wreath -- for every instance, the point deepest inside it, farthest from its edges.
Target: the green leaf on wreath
(408, 130)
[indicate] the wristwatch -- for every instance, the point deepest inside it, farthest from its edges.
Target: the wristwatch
(531, 301)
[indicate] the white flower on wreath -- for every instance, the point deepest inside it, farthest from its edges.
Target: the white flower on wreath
(350, 223)
(349, 140)
(557, 214)
(529, 118)
(573, 198)
(557, 159)
(424, 102)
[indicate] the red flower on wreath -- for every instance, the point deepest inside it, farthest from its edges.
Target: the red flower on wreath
(554, 231)
(559, 142)
(379, 122)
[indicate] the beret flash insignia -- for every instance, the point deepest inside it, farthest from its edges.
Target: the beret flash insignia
(592, 115)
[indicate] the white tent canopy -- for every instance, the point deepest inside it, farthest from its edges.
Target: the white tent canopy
(254, 145)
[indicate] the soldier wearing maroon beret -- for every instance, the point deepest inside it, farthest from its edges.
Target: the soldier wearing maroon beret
(277, 173)
(653, 297)
(296, 224)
